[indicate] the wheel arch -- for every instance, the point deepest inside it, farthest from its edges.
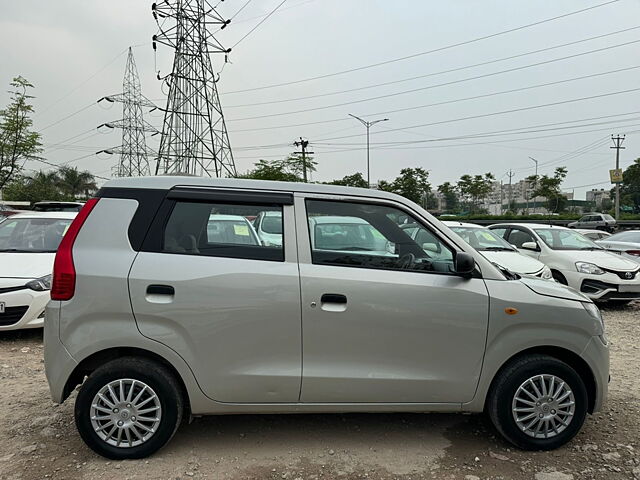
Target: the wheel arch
(97, 359)
(567, 356)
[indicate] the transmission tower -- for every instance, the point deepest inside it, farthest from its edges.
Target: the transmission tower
(134, 153)
(194, 134)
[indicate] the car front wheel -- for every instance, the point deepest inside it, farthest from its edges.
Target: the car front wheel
(538, 402)
(128, 408)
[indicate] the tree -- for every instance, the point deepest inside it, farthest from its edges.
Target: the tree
(34, 188)
(355, 180)
(549, 188)
(450, 194)
(289, 169)
(474, 189)
(412, 183)
(75, 183)
(630, 187)
(17, 140)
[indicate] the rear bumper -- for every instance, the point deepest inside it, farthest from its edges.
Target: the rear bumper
(596, 354)
(58, 362)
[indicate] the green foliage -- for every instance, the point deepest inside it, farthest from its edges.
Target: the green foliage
(630, 187)
(549, 188)
(290, 169)
(413, 183)
(450, 193)
(64, 184)
(355, 180)
(17, 141)
(474, 189)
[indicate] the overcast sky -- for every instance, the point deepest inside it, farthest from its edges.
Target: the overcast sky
(74, 52)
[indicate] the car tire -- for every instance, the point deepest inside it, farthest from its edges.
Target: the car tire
(510, 389)
(118, 391)
(558, 277)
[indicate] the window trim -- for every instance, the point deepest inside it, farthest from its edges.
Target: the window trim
(372, 201)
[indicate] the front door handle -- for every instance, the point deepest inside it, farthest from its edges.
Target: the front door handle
(160, 290)
(333, 298)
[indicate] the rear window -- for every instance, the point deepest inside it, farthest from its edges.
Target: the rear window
(219, 230)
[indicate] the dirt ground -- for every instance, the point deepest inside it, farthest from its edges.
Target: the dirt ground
(38, 438)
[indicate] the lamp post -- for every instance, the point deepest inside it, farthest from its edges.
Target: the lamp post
(368, 125)
(534, 200)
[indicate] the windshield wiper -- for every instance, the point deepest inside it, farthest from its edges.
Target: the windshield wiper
(498, 249)
(591, 248)
(19, 250)
(507, 273)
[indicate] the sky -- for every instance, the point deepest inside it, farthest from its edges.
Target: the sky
(561, 111)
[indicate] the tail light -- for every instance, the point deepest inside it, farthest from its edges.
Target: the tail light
(63, 285)
(635, 253)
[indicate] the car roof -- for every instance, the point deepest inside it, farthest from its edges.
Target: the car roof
(529, 225)
(58, 215)
(329, 219)
(450, 223)
(216, 216)
(168, 182)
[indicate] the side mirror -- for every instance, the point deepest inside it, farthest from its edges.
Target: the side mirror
(464, 263)
(530, 246)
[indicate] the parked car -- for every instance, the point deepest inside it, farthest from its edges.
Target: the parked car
(232, 230)
(269, 228)
(152, 334)
(594, 235)
(28, 242)
(6, 211)
(498, 251)
(576, 261)
(596, 221)
(625, 243)
(49, 206)
(330, 233)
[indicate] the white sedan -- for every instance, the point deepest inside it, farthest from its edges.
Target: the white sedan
(28, 244)
(625, 243)
(498, 251)
(576, 261)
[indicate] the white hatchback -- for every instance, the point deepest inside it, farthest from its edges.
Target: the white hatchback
(28, 244)
(576, 261)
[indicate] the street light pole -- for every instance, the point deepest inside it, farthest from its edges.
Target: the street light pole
(368, 125)
(534, 199)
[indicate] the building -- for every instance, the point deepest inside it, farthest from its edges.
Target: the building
(597, 196)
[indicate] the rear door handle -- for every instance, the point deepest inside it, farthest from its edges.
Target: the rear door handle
(333, 298)
(160, 290)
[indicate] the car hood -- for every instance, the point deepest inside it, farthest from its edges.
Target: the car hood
(553, 289)
(25, 265)
(601, 258)
(514, 261)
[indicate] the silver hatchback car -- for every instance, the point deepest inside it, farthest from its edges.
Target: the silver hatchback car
(158, 319)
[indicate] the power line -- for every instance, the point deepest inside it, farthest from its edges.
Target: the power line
(439, 49)
(429, 87)
(442, 72)
(67, 117)
(259, 23)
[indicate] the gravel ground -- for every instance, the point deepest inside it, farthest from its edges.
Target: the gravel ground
(38, 438)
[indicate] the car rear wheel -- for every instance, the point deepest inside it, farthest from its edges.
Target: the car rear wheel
(128, 408)
(538, 403)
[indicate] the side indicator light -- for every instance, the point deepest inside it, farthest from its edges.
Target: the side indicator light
(510, 311)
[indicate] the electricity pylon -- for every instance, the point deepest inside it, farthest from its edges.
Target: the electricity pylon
(134, 153)
(194, 134)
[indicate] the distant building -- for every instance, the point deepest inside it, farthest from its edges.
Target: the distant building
(596, 196)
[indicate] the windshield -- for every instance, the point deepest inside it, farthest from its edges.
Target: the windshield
(234, 232)
(272, 224)
(560, 239)
(348, 236)
(32, 234)
(482, 239)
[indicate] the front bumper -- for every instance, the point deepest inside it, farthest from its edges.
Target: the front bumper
(23, 309)
(607, 286)
(596, 354)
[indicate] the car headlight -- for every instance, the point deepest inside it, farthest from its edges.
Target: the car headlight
(546, 273)
(592, 268)
(594, 311)
(40, 284)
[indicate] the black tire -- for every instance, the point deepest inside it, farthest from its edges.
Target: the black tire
(505, 386)
(154, 375)
(558, 277)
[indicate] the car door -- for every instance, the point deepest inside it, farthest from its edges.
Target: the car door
(229, 305)
(380, 327)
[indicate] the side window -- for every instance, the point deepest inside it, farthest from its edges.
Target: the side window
(518, 237)
(370, 236)
(219, 230)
